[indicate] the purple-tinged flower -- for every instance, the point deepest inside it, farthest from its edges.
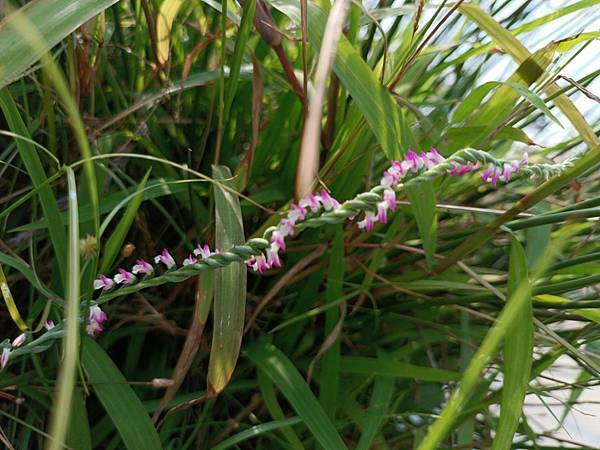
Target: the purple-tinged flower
(273, 257)
(413, 160)
(4, 357)
(311, 201)
(278, 240)
(286, 227)
(124, 277)
(382, 208)
(389, 196)
(296, 213)
(495, 176)
(203, 251)
(524, 159)
(191, 259)
(434, 156)
(426, 161)
(48, 325)
(487, 174)
(142, 267)
(258, 263)
(368, 223)
(19, 340)
(390, 178)
(103, 283)
(328, 201)
(506, 173)
(96, 318)
(165, 258)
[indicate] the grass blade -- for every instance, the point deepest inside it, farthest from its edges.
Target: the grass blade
(286, 377)
(383, 367)
(256, 430)
(164, 21)
(518, 352)
(54, 20)
(66, 377)
(118, 399)
(381, 398)
(116, 239)
(230, 286)
(422, 203)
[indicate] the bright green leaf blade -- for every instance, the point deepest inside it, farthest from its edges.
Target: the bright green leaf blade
(116, 239)
(54, 20)
(518, 353)
(286, 377)
(230, 286)
(118, 399)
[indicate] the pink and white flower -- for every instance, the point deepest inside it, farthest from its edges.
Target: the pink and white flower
(328, 201)
(368, 223)
(191, 259)
(103, 283)
(48, 325)
(296, 212)
(19, 340)
(203, 251)
(4, 357)
(124, 277)
(142, 267)
(310, 201)
(273, 256)
(95, 320)
(165, 258)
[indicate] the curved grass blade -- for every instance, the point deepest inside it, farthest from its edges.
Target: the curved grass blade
(286, 377)
(383, 392)
(10, 303)
(66, 378)
(53, 19)
(518, 353)
(164, 22)
(384, 367)
(118, 399)
(422, 203)
(116, 239)
(229, 287)
(256, 430)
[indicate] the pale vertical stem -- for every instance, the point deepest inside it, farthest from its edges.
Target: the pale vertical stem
(308, 162)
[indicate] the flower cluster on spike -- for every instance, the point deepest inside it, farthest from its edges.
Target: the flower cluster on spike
(298, 211)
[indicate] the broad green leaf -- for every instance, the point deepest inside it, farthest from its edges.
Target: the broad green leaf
(385, 367)
(377, 414)
(79, 428)
(116, 239)
(516, 304)
(229, 287)
(374, 101)
(121, 404)
(29, 155)
(65, 384)
(422, 203)
(330, 364)
(53, 19)
(286, 377)
(518, 353)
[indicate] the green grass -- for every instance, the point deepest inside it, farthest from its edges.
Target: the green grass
(128, 127)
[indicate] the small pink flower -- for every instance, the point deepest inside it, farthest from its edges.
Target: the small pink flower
(278, 240)
(487, 174)
(286, 227)
(190, 260)
(413, 160)
(103, 283)
(165, 258)
(96, 318)
(142, 267)
(124, 277)
(434, 156)
(389, 178)
(382, 208)
(506, 173)
(296, 213)
(49, 324)
(368, 223)
(328, 201)
(311, 201)
(389, 196)
(203, 251)
(258, 263)
(19, 340)
(273, 257)
(428, 162)
(524, 159)
(4, 357)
